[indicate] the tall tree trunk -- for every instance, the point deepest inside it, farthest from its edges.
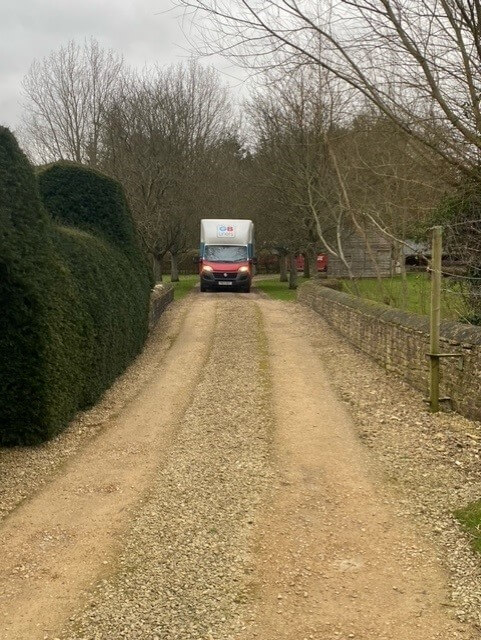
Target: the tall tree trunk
(307, 265)
(292, 271)
(283, 267)
(312, 258)
(157, 267)
(174, 268)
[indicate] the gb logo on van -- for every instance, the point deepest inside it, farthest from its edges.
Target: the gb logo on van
(225, 231)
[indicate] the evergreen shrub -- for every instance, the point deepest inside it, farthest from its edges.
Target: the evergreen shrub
(74, 293)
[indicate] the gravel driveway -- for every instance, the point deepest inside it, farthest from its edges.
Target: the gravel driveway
(183, 572)
(272, 484)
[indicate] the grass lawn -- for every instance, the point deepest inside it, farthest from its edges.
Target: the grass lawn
(470, 519)
(182, 288)
(278, 290)
(417, 297)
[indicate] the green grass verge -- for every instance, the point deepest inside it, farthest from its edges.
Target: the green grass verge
(186, 284)
(470, 519)
(414, 298)
(278, 290)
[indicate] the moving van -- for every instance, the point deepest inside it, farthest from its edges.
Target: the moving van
(226, 254)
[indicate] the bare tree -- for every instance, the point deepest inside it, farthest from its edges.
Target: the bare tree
(416, 61)
(161, 138)
(293, 118)
(347, 169)
(168, 134)
(67, 95)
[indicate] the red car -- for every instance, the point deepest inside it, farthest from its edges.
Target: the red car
(321, 262)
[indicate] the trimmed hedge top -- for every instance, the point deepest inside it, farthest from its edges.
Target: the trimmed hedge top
(21, 219)
(81, 197)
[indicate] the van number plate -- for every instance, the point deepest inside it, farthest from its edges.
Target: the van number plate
(225, 283)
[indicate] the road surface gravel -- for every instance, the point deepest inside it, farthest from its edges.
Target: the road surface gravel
(243, 491)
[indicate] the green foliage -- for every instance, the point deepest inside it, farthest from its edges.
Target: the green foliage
(470, 519)
(114, 302)
(463, 204)
(414, 296)
(460, 216)
(278, 290)
(28, 269)
(74, 301)
(184, 286)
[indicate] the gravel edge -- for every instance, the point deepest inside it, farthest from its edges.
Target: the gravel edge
(25, 470)
(431, 461)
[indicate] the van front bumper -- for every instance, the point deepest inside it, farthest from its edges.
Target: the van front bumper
(220, 281)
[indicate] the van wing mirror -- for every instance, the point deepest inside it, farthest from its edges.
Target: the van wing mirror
(196, 259)
(254, 260)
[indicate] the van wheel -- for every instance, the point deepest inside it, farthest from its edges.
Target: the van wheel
(203, 288)
(247, 288)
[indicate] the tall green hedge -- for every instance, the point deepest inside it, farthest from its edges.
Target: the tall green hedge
(74, 293)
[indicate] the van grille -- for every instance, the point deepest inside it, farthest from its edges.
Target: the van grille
(225, 275)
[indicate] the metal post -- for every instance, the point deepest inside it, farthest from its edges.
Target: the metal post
(435, 317)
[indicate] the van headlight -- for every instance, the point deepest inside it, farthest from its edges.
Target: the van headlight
(243, 269)
(207, 269)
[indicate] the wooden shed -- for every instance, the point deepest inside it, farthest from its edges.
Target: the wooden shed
(368, 253)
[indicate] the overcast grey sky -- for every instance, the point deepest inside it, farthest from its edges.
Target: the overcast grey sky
(140, 29)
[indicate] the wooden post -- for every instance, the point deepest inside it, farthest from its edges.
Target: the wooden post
(436, 255)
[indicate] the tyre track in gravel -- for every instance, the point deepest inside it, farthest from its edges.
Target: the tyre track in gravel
(265, 517)
(334, 559)
(68, 535)
(185, 571)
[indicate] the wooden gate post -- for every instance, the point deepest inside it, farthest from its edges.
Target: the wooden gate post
(434, 356)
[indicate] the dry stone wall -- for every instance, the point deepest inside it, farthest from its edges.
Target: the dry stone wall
(399, 341)
(160, 299)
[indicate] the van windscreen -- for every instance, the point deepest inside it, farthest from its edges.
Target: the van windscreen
(225, 253)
